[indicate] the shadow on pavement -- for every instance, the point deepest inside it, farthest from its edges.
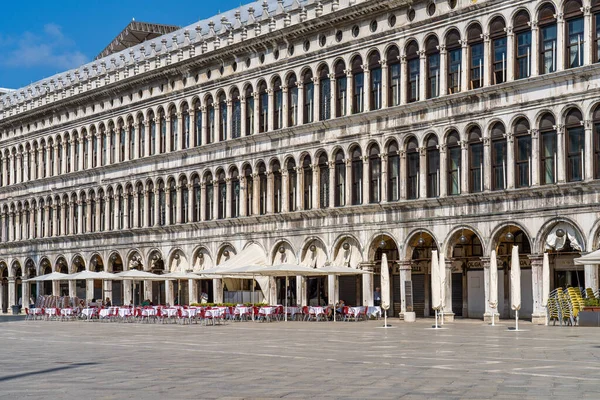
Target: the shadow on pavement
(44, 371)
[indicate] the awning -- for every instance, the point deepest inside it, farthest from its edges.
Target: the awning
(54, 276)
(592, 258)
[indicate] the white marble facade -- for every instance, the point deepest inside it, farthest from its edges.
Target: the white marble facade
(333, 129)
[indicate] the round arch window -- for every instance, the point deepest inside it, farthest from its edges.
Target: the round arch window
(355, 30)
(431, 9)
(392, 20)
(322, 40)
(290, 50)
(307, 45)
(373, 26)
(338, 36)
(411, 14)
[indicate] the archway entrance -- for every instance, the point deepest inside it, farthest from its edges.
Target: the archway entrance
(419, 249)
(4, 287)
(385, 244)
(78, 266)
(505, 239)
(564, 243)
(45, 286)
(114, 289)
(154, 291)
(467, 288)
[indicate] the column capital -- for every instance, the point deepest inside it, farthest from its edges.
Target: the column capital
(560, 17)
(508, 30)
(509, 136)
(405, 265)
(442, 147)
(442, 48)
(534, 132)
(587, 123)
(422, 151)
(586, 10)
(485, 262)
(383, 63)
(559, 129)
(485, 37)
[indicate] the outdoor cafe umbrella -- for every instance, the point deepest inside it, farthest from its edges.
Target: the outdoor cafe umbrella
(54, 276)
(515, 284)
(85, 275)
(436, 300)
(135, 275)
(493, 300)
(442, 267)
(385, 287)
(545, 283)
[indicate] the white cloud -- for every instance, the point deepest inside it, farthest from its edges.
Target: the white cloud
(51, 48)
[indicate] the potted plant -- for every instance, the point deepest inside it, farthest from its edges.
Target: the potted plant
(591, 305)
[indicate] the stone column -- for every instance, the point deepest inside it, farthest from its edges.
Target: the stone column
(55, 160)
(107, 212)
(534, 57)
(46, 221)
(560, 42)
(148, 141)
(26, 160)
(79, 206)
(126, 155)
(348, 183)
(100, 147)
(256, 97)
(72, 289)
(270, 111)
(588, 159)
(560, 148)
(270, 200)
(333, 98)
(510, 160)
(97, 215)
(156, 207)
(448, 313)
(19, 177)
(366, 181)
(12, 291)
(179, 205)
(383, 198)
(126, 224)
(510, 56)
(333, 290)
(243, 210)
(487, 60)
(349, 92)
(228, 197)
(588, 39)
(170, 294)
(169, 130)
(443, 175)
(316, 98)
(40, 164)
(127, 293)
(202, 201)
(367, 285)
(300, 103)
(422, 173)
(464, 167)
(168, 205)
(192, 291)
(215, 200)
(539, 310)
(535, 152)
(591, 277)
(331, 165)
(443, 82)
(217, 131)
(403, 79)
(88, 227)
(284, 107)
(285, 191)
(385, 71)
(218, 290)
(403, 174)
(315, 188)
(300, 188)
(487, 315)
(190, 202)
(243, 116)
(422, 76)
(11, 226)
(366, 97)
(405, 276)
(255, 194)
(181, 132)
(465, 65)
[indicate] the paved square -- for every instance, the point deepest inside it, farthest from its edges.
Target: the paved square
(79, 360)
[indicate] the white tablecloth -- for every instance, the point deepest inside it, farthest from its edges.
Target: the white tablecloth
(189, 313)
(88, 312)
(355, 311)
(374, 312)
(217, 312)
(148, 312)
(267, 310)
(317, 310)
(105, 312)
(65, 312)
(169, 312)
(293, 310)
(50, 311)
(36, 311)
(124, 312)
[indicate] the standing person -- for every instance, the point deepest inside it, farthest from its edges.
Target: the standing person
(377, 297)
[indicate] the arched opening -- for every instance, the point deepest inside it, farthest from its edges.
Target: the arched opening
(357, 175)
(499, 146)
(454, 162)
(596, 30)
(236, 117)
(374, 174)
(432, 54)
(393, 171)
(324, 184)
(184, 201)
(223, 118)
(522, 31)
(548, 150)
(340, 179)
(162, 203)
(198, 123)
(292, 183)
(114, 289)
(309, 96)
(393, 59)
(210, 119)
(277, 186)
(307, 179)
(249, 190)
(249, 111)
(278, 104)
(475, 160)
(413, 71)
(197, 210)
(235, 192)
(548, 35)
(575, 141)
(324, 93)
(341, 88)
(454, 61)
(222, 194)
(173, 202)
(476, 55)
(384, 244)
(141, 136)
(412, 168)
(263, 107)
(209, 196)
(292, 93)
(433, 166)
(162, 131)
(522, 153)
(153, 138)
(574, 35)
(596, 139)
(376, 89)
(262, 188)
(419, 252)
(499, 42)
(358, 85)
(185, 119)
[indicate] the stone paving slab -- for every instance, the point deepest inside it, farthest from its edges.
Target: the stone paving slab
(468, 360)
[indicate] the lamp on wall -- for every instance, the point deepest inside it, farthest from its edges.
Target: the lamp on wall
(226, 253)
(281, 249)
(312, 248)
(560, 232)
(462, 239)
(509, 236)
(346, 246)
(421, 241)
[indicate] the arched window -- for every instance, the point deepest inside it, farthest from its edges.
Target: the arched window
(174, 134)
(198, 124)
(412, 168)
(51, 213)
(197, 199)
(376, 85)
(249, 111)
(309, 96)
(153, 137)
(393, 61)
(132, 138)
(374, 175)
(596, 29)
(323, 181)
(324, 93)
(575, 146)
(358, 85)
(185, 204)
(341, 88)
(262, 188)
(142, 136)
(68, 156)
(209, 197)
(162, 204)
(50, 151)
(84, 214)
(357, 174)
(292, 93)
(277, 186)
(340, 179)
(111, 210)
(92, 211)
(476, 55)
(499, 42)
(140, 205)
(308, 181)
(263, 107)
(433, 167)
(222, 194)
(548, 154)
(185, 117)
(235, 189)
(547, 40)
(162, 122)
(249, 188)
(223, 128)
(596, 140)
(433, 67)
(574, 40)
(27, 215)
(393, 172)
(522, 30)
(499, 173)
(122, 143)
(75, 213)
(2, 161)
(102, 201)
(454, 61)
(475, 160)
(454, 162)
(292, 185)
(522, 153)
(236, 118)
(278, 104)
(414, 71)
(210, 120)
(172, 193)
(59, 151)
(130, 207)
(104, 145)
(151, 204)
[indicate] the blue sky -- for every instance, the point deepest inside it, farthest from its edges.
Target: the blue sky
(39, 38)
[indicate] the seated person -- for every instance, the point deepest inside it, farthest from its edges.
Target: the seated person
(339, 307)
(146, 303)
(93, 303)
(107, 302)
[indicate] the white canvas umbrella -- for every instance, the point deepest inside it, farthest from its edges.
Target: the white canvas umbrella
(515, 284)
(442, 267)
(493, 295)
(545, 283)
(592, 258)
(385, 288)
(436, 300)
(54, 276)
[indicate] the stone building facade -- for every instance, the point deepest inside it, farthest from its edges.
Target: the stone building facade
(319, 132)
